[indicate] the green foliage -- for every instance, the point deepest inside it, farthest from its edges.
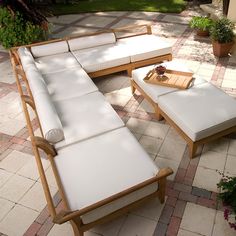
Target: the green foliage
(200, 23)
(173, 6)
(222, 31)
(227, 195)
(15, 31)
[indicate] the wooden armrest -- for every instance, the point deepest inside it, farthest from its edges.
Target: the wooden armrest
(64, 216)
(44, 145)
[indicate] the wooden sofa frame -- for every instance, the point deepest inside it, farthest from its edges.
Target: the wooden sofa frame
(126, 67)
(193, 145)
(74, 217)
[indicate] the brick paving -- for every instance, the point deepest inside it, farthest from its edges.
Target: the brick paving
(184, 189)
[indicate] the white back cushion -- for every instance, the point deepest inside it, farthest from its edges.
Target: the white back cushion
(49, 120)
(49, 49)
(26, 58)
(91, 41)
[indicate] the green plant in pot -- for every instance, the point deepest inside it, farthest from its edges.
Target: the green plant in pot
(222, 34)
(227, 195)
(201, 24)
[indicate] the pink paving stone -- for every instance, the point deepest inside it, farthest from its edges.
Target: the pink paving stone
(173, 227)
(191, 171)
(17, 147)
(4, 154)
(185, 160)
(27, 150)
(171, 192)
(187, 197)
(44, 215)
(182, 187)
(46, 227)
(179, 208)
(160, 229)
(27, 144)
(195, 161)
(166, 214)
(206, 202)
(180, 174)
(214, 196)
(4, 147)
(171, 201)
(17, 140)
(170, 184)
(188, 181)
(33, 229)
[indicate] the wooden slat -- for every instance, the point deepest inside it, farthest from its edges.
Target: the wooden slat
(171, 78)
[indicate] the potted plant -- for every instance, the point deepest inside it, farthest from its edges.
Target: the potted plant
(222, 34)
(201, 24)
(227, 195)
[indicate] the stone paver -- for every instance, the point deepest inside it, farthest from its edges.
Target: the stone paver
(198, 219)
(190, 206)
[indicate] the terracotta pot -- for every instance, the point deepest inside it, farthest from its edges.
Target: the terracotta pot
(221, 49)
(203, 33)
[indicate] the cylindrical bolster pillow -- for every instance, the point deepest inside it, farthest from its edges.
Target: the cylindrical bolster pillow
(36, 81)
(50, 49)
(26, 58)
(49, 120)
(91, 41)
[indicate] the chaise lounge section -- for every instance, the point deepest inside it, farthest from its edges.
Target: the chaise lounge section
(200, 114)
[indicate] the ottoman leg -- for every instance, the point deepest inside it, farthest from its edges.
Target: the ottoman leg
(192, 149)
(132, 86)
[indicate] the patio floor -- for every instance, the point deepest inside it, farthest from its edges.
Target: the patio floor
(190, 208)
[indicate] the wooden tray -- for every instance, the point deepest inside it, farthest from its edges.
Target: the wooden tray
(171, 78)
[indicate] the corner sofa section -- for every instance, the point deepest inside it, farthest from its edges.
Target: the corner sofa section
(100, 168)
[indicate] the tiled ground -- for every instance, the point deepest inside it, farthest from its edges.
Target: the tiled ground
(190, 208)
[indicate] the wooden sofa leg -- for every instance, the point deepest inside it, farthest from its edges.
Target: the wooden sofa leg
(162, 190)
(192, 149)
(76, 229)
(129, 72)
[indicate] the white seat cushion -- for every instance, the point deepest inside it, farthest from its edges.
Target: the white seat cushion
(56, 63)
(155, 91)
(26, 58)
(50, 49)
(102, 57)
(86, 116)
(200, 111)
(49, 120)
(102, 166)
(91, 41)
(145, 47)
(69, 83)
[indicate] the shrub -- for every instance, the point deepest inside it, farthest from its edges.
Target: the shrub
(15, 31)
(222, 31)
(200, 23)
(227, 195)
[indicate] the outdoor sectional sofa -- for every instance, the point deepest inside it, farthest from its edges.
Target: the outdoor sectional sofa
(100, 168)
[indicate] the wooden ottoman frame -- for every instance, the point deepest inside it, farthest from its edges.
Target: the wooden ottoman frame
(193, 145)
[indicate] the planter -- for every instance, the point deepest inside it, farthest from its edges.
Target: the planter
(203, 33)
(221, 49)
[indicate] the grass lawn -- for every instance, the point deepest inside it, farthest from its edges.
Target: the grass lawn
(174, 6)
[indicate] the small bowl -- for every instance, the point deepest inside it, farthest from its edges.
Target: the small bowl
(160, 70)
